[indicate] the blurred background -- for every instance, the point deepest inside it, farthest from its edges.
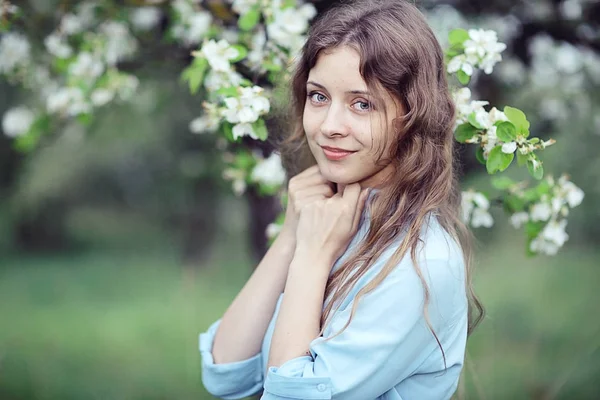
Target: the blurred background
(120, 241)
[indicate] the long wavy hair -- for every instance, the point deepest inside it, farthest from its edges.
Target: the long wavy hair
(399, 54)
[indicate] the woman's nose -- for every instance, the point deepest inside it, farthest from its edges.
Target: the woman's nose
(334, 123)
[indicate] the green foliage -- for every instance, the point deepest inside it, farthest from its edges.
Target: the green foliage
(457, 37)
(465, 132)
(27, 142)
(242, 52)
(518, 118)
(498, 161)
(462, 76)
(537, 171)
(194, 74)
(249, 20)
(502, 182)
(506, 131)
(260, 129)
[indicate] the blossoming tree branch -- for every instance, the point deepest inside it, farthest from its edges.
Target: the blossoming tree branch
(241, 50)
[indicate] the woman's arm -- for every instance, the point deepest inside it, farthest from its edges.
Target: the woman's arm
(299, 318)
(242, 328)
(245, 322)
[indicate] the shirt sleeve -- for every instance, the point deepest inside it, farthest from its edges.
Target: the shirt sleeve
(387, 341)
(234, 380)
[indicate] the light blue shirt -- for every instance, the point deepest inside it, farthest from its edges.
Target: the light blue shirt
(387, 352)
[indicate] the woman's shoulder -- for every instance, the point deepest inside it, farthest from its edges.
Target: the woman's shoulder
(439, 260)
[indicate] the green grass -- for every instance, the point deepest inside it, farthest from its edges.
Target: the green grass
(124, 325)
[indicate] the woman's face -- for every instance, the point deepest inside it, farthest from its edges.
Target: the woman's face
(346, 128)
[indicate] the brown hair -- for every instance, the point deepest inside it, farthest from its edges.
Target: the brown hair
(400, 54)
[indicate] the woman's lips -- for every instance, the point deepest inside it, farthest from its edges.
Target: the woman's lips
(335, 154)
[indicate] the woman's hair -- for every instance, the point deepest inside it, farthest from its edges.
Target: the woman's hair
(399, 54)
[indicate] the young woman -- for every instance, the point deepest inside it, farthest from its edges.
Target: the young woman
(365, 294)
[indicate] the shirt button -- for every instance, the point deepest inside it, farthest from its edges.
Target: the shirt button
(321, 387)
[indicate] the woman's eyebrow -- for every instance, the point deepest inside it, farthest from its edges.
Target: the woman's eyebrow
(363, 92)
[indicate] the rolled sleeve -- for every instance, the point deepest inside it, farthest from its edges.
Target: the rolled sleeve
(386, 342)
(233, 380)
(296, 377)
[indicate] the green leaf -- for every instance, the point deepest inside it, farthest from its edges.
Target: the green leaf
(506, 131)
(242, 53)
(473, 121)
(250, 19)
(458, 36)
(518, 118)
(497, 160)
(228, 131)
(543, 188)
(463, 78)
(194, 74)
(464, 132)
(521, 158)
(514, 203)
(85, 119)
(479, 155)
(537, 173)
(502, 182)
(269, 66)
(532, 229)
(245, 161)
(260, 129)
(227, 91)
(27, 142)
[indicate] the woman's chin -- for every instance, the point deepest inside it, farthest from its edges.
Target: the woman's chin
(337, 176)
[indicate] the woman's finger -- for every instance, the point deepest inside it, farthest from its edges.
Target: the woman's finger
(322, 189)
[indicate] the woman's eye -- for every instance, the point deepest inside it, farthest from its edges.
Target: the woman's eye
(363, 105)
(317, 97)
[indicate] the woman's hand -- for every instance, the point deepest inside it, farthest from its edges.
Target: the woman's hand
(326, 226)
(304, 189)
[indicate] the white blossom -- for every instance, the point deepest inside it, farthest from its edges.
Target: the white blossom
(209, 122)
(574, 195)
(460, 63)
(199, 23)
(244, 129)
(485, 47)
(86, 66)
(243, 6)
(465, 106)
(57, 45)
(128, 86)
(481, 218)
(552, 237)
(119, 43)
(17, 121)
(67, 100)
(8, 8)
(216, 80)
(509, 147)
(14, 51)
(238, 178)
(192, 25)
(71, 24)
(518, 219)
(273, 229)
(145, 18)
(218, 54)
(102, 96)
(247, 108)
(541, 211)
(289, 25)
(475, 209)
(269, 171)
